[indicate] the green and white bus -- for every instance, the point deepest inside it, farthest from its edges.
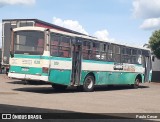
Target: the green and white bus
(67, 59)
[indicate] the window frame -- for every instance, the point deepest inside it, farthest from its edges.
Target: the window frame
(35, 52)
(59, 51)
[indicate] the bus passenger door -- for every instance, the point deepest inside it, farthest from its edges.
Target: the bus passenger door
(76, 62)
(147, 66)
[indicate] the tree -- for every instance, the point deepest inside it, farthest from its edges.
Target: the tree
(154, 43)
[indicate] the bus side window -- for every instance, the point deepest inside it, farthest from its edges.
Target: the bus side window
(117, 54)
(96, 51)
(84, 47)
(64, 47)
(110, 53)
(126, 55)
(87, 49)
(123, 52)
(134, 56)
(54, 44)
(129, 51)
(104, 51)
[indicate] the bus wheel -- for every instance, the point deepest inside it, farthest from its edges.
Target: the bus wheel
(58, 87)
(88, 84)
(136, 83)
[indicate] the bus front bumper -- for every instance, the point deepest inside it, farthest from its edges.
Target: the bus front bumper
(27, 77)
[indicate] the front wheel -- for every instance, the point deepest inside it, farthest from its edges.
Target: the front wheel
(88, 84)
(136, 83)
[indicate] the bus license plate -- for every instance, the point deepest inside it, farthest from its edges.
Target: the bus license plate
(25, 69)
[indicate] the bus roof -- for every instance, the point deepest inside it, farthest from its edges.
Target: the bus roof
(75, 35)
(45, 24)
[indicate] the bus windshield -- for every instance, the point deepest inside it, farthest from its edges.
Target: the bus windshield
(29, 42)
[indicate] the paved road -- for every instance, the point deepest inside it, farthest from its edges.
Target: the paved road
(43, 98)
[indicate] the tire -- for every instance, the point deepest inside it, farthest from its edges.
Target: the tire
(88, 84)
(136, 83)
(58, 87)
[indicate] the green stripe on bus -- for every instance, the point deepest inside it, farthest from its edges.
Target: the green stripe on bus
(116, 78)
(61, 58)
(30, 56)
(41, 57)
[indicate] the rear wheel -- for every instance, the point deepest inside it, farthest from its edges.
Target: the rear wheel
(88, 84)
(136, 83)
(58, 87)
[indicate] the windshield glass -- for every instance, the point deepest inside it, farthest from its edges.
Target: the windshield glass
(29, 42)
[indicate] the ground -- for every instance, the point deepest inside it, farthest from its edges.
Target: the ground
(17, 96)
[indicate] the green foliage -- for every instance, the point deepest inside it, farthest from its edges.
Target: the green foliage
(154, 43)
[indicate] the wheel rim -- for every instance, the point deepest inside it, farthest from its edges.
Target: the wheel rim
(89, 83)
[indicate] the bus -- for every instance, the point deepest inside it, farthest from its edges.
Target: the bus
(15, 23)
(66, 59)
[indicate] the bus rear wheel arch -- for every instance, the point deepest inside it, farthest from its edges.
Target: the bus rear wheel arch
(89, 82)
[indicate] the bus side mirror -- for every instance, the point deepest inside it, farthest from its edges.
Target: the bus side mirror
(153, 58)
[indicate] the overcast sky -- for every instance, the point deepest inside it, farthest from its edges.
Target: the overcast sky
(123, 21)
